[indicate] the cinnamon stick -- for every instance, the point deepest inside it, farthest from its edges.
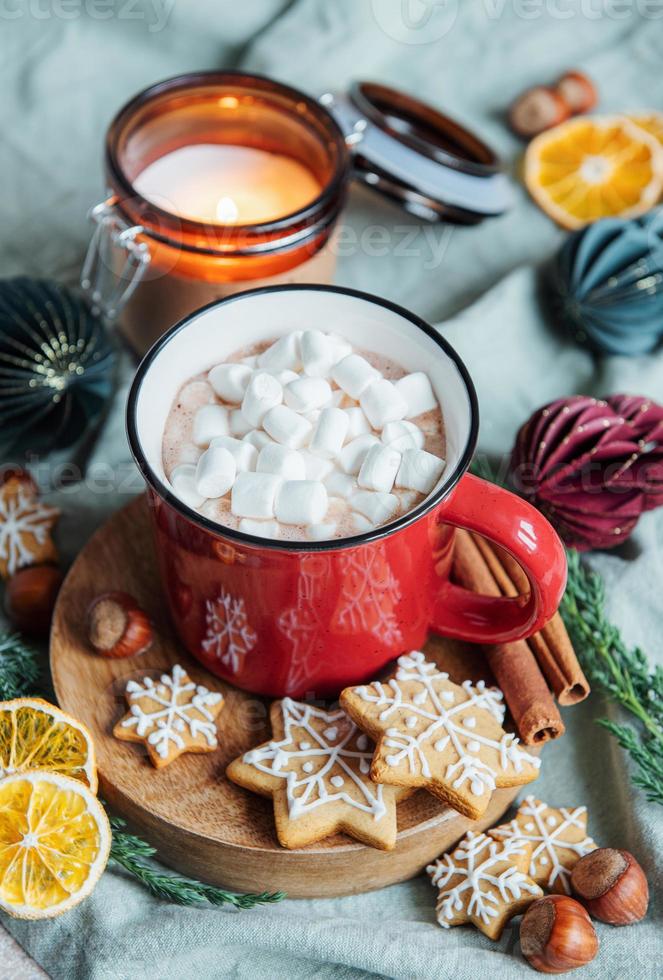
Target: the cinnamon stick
(516, 671)
(551, 646)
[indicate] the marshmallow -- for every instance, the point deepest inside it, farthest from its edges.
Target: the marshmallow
(254, 495)
(418, 393)
(287, 427)
(408, 499)
(239, 424)
(188, 453)
(307, 394)
(282, 355)
(343, 346)
(229, 381)
(354, 453)
(313, 416)
(338, 397)
(402, 435)
(377, 507)
(340, 485)
(382, 403)
(361, 524)
(215, 472)
(283, 462)
(262, 393)
(285, 377)
(354, 374)
(419, 470)
(301, 502)
(320, 352)
(183, 482)
(329, 434)
(358, 424)
(208, 422)
(244, 453)
(262, 529)
(194, 394)
(250, 361)
(379, 469)
(317, 468)
(259, 439)
(320, 532)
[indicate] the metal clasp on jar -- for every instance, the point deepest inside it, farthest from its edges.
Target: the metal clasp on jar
(116, 261)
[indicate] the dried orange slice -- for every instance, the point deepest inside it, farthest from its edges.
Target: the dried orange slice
(36, 735)
(651, 121)
(594, 167)
(54, 843)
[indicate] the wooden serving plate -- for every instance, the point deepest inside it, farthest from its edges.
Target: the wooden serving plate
(202, 824)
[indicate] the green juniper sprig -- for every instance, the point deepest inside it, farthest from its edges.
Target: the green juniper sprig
(621, 672)
(19, 668)
(132, 854)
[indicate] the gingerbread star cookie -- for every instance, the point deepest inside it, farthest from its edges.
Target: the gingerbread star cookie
(171, 716)
(558, 838)
(25, 526)
(483, 881)
(439, 735)
(317, 769)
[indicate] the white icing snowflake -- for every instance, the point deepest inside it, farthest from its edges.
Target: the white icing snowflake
(320, 756)
(22, 516)
(229, 636)
(433, 723)
(176, 711)
(474, 880)
(539, 824)
(369, 596)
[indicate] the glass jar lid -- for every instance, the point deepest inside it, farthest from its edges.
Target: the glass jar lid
(426, 161)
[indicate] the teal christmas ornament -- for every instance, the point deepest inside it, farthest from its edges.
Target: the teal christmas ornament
(56, 367)
(608, 278)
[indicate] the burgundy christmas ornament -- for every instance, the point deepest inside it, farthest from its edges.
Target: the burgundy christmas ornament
(592, 466)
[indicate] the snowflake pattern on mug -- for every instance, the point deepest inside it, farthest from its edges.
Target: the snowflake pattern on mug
(558, 837)
(171, 716)
(369, 596)
(444, 736)
(229, 635)
(301, 623)
(483, 881)
(317, 769)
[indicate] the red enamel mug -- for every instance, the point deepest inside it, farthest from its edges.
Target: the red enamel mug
(307, 619)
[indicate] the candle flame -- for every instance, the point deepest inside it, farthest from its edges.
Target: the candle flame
(226, 211)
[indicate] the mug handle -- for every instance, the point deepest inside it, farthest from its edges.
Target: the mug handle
(524, 532)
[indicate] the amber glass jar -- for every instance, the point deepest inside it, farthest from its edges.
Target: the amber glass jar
(160, 266)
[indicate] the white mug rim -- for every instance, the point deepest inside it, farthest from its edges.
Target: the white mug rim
(275, 544)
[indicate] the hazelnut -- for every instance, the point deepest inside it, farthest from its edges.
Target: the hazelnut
(612, 886)
(117, 626)
(578, 91)
(537, 109)
(30, 596)
(557, 935)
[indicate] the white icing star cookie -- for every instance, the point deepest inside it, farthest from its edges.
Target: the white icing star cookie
(171, 716)
(439, 735)
(558, 837)
(26, 525)
(483, 881)
(317, 769)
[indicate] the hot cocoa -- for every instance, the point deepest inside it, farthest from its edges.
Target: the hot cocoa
(304, 438)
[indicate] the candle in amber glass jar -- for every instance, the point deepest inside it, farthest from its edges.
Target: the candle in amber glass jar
(219, 181)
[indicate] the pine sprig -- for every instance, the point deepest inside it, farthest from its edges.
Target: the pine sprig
(132, 854)
(19, 668)
(621, 672)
